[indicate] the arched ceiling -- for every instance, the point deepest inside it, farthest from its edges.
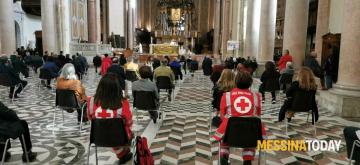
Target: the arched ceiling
(31, 6)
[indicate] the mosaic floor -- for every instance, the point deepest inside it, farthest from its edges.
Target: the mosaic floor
(182, 138)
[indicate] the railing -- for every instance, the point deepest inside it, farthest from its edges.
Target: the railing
(90, 48)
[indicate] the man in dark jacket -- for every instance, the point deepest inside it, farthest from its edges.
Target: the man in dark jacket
(156, 63)
(19, 66)
(207, 66)
(12, 127)
(7, 72)
(311, 62)
(52, 68)
(36, 61)
(119, 71)
(97, 62)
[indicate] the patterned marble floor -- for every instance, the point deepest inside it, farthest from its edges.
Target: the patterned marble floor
(182, 138)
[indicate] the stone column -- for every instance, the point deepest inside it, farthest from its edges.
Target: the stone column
(347, 88)
(322, 25)
(131, 28)
(267, 32)
(225, 27)
(252, 28)
(48, 25)
(216, 29)
(295, 29)
(98, 22)
(92, 22)
(7, 27)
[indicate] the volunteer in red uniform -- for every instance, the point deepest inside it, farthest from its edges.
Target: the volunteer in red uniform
(238, 102)
(109, 103)
(283, 60)
(105, 64)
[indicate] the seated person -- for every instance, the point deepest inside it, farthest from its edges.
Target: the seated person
(52, 68)
(225, 84)
(19, 66)
(269, 81)
(36, 61)
(109, 99)
(118, 70)
(13, 127)
(216, 73)
(351, 134)
(243, 82)
(144, 84)
(9, 72)
(301, 95)
(165, 71)
(287, 76)
(132, 70)
(176, 68)
(68, 80)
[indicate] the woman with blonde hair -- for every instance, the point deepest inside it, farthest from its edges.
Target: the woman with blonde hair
(225, 83)
(300, 95)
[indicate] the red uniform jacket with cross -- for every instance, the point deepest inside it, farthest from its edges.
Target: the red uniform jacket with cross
(237, 103)
(96, 112)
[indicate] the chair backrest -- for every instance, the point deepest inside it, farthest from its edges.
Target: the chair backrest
(66, 99)
(163, 82)
(243, 132)
(145, 100)
(5, 80)
(131, 76)
(108, 132)
(45, 74)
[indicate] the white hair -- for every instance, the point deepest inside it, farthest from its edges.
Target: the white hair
(68, 72)
(289, 64)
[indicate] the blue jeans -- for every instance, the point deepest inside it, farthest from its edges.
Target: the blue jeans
(328, 81)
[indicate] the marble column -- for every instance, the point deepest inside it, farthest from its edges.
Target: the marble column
(225, 27)
(48, 25)
(252, 28)
(295, 29)
(322, 25)
(267, 30)
(98, 22)
(344, 98)
(131, 23)
(216, 29)
(7, 27)
(92, 22)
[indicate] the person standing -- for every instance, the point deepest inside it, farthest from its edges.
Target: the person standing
(312, 63)
(207, 66)
(97, 62)
(105, 64)
(119, 71)
(283, 60)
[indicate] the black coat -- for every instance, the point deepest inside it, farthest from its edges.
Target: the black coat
(97, 61)
(207, 66)
(119, 71)
(270, 80)
(299, 100)
(10, 126)
(217, 94)
(313, 64)
(8, 72)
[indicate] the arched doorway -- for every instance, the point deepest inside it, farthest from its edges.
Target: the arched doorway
(17, 35)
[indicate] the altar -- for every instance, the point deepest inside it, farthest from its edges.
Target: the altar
(164, 49)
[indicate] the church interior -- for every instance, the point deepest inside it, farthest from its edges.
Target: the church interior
(190, 60)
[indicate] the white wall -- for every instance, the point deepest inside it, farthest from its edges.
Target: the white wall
(116, 17)
(31, 24)
(336, 15)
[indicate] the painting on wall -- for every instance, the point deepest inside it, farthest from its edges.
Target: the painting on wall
(79, 20)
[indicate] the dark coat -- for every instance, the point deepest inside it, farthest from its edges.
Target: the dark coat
(156, 63)
(119, 71)
(270, 80)
(207, 66)
(10, 125)
(97, 61)
(299, 100)
(36, 61)
(217, 94)
(53, 68)
(313, 64)
(8, 72)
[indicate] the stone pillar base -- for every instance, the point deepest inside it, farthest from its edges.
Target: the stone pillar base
(342, 101)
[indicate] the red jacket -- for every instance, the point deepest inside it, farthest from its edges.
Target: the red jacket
(236, 103)
(125, 113)
(283, 60)
(105, 64)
